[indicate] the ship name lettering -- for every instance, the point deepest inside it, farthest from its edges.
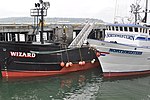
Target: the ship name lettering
(23, 54)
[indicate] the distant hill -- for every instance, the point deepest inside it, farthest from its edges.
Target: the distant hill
(30, 20)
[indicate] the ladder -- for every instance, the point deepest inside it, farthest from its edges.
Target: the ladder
(82, 36)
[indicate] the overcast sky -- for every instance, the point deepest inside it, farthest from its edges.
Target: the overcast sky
(100, 9)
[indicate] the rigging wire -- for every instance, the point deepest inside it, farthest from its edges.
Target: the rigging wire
(115, 10)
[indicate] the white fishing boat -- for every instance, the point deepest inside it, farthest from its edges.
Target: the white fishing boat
(125, 50)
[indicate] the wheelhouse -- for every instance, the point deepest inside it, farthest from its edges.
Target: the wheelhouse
(128, 34)
(128, 28)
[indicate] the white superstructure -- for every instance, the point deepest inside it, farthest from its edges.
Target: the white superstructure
(125, 50)
(129, 34)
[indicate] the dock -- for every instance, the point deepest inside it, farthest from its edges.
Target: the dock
(72, 30)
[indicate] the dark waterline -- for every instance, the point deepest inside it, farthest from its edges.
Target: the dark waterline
(83, 85)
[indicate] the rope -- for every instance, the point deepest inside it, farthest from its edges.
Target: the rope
(80, 54)
(61, 54)
(67, 53)
(49, 52)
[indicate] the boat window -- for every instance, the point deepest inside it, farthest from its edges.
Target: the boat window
(125, 29)
(121, 29)
(130, 29)
(116, 28)
(141, 30)
(109, 27)
(136, 29)
(148, 39)
(146, 31)
(113, 28)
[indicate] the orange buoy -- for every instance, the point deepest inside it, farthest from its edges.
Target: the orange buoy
(83, 62)
(70, 63)
(98, 54)
(80, 63)
(67, 64)
(93, 61)
(62, 64)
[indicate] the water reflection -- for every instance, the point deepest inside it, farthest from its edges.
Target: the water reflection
(127, 88)
(49, 88)
(84, 85)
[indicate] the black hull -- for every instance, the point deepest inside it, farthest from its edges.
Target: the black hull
(17, 57)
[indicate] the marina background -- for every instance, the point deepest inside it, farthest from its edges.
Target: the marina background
(106, 10)
(48, 20)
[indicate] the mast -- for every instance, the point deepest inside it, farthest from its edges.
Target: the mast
(41, 22)
(40, 10)
(135, 9)
(146, 11)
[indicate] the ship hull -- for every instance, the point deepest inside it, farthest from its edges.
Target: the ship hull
(28, 60)
(64, 70)
(122, 60)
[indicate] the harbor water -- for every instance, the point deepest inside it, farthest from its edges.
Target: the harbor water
(83, 85)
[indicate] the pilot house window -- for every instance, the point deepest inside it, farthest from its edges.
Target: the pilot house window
(136, 29)
(121, 29)
(116, 28)
(130, 29)
(125, 29)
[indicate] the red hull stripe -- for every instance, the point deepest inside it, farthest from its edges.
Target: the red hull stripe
(121, 74)
(75, 67)
(104, 52)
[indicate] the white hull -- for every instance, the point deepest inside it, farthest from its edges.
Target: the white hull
(120, 60)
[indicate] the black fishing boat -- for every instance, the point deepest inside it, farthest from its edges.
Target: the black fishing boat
(29, 58)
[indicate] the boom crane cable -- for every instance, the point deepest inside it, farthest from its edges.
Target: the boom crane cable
(135, 8)
(115, 11)
(146, 11)
(121, 18)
